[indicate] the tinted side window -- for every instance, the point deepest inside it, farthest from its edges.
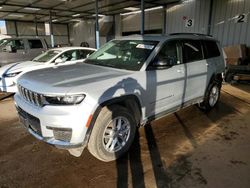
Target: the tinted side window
(83, 53)
(35, 44)
(71, 55)
(211, 49)
(16, 44)
(168, 52)
(192, 51)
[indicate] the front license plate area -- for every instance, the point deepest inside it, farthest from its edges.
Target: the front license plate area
(24, 120)
(29, 121)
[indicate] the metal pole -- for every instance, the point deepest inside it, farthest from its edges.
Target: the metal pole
(51, 30)
(142, 17)
(36, 26)
(16, 28)
(97, 40)
(68, 33)
(164, 29)
(210, 17)
(114, 23)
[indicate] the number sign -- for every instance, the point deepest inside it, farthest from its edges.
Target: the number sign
(189, 23)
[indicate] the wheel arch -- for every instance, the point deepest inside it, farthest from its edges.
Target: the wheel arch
(216, 77)
(128, 101)
(131, 102)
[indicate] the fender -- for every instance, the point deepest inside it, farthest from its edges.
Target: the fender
(127, 101)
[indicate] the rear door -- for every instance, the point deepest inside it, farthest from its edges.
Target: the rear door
(213, 56)
(197, 69)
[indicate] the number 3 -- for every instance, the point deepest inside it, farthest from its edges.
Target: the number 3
(190, 23)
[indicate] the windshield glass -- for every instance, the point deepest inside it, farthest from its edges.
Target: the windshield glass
(46, 56)
(123, 54)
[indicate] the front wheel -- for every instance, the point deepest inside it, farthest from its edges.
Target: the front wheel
(212, 96)
(112, 134)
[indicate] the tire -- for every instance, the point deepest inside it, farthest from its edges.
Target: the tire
(108, 142)
(229, 77)
(212, 96)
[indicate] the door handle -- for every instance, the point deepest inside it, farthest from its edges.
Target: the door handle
(207, 64)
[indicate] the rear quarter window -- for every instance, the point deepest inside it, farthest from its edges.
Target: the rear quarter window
(211, 49)
(33, 44)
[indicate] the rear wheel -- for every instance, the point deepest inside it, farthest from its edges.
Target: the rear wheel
(229, 77)
(112, 134)
(212, 96)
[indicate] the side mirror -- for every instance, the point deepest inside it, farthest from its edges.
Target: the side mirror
(164, 62)
(58, 60)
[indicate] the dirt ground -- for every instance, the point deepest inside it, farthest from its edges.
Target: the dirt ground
(185, 149)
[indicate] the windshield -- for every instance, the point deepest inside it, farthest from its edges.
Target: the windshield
(46, 56)
(123, 54)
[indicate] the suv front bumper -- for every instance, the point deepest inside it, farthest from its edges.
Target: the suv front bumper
(62, 126)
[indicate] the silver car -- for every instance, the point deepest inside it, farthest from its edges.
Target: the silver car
(125, 84)
(49, 59)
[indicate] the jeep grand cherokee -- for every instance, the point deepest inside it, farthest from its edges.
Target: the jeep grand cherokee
(124, 84)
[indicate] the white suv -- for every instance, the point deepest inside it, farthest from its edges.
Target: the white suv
(124, 84)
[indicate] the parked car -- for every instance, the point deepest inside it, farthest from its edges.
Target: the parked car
(124, 84)
(21, 49)
(2, 38)
(50, 59)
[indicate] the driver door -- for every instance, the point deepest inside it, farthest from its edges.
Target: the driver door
(166, 84)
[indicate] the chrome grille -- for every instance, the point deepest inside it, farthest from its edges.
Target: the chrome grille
(30, 96)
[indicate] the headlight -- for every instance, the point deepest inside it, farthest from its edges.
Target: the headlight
(66, 100)
(11, 74)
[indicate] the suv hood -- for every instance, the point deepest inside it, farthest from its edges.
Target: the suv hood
(63, 79)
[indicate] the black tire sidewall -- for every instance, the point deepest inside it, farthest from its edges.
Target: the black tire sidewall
(229, 77)
(206, 103)
(96, 138)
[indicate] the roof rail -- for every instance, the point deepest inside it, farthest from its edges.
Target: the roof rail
(197, 34)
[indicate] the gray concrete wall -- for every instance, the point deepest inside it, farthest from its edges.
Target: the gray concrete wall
(226, 26)
(223, 26)
(153, 20)
(188, 17)
(83, 31)
(28, 29)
